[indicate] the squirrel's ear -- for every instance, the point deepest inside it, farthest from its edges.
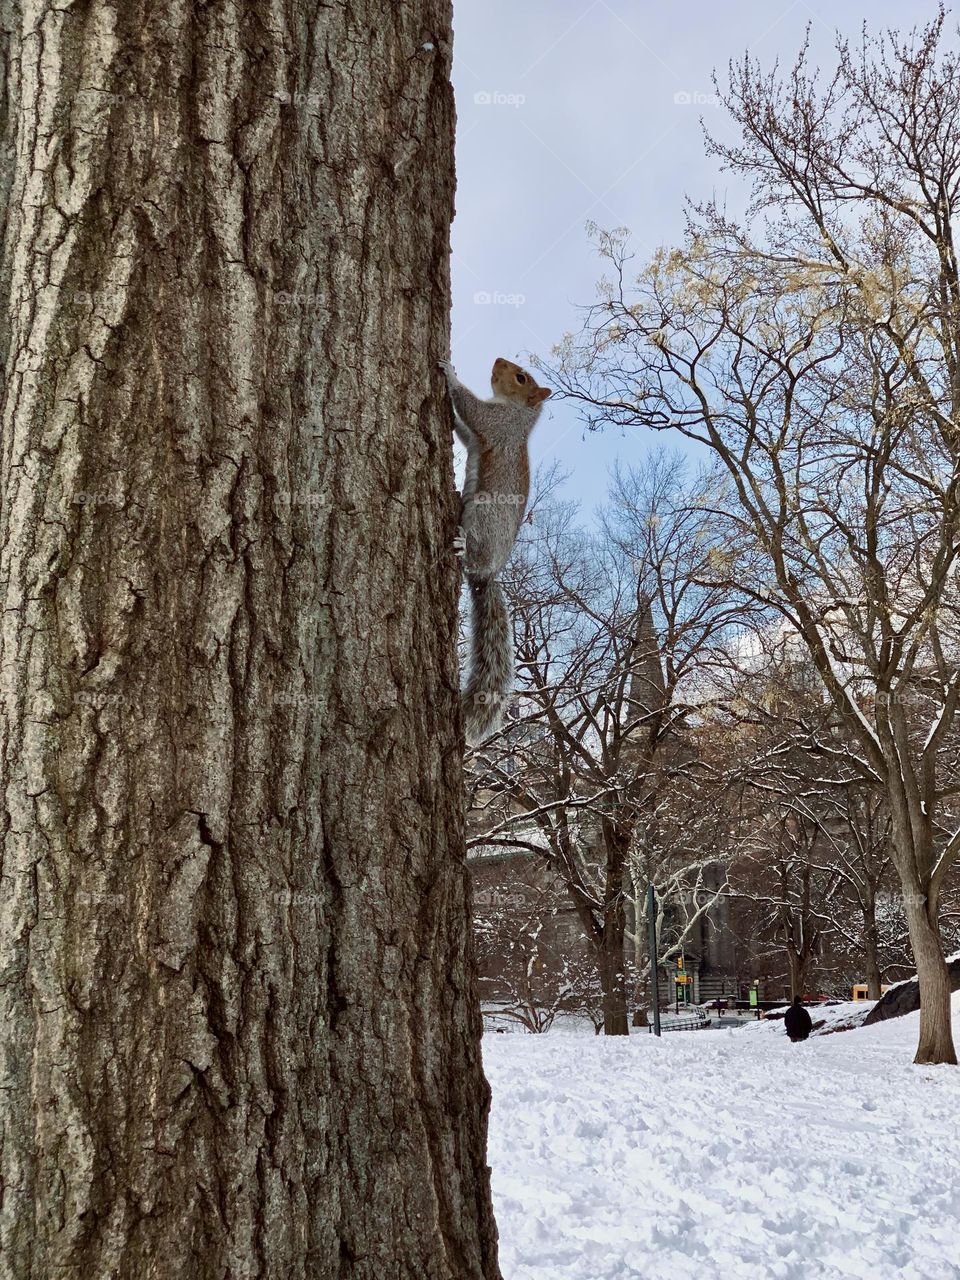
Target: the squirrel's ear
(542, 393)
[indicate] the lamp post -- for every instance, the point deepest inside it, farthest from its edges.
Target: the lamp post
(652, 926)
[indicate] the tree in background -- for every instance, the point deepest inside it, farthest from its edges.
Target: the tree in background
(616, 640)
(832, 830)
(534, 961)
(814, 349)
(660, 518)
(551, 779)
(778, 873)
(240, 1030)
(855, 846)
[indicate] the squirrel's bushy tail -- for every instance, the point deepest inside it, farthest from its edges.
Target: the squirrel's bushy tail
(491, 659)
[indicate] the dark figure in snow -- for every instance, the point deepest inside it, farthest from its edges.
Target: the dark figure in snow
(797, 1021)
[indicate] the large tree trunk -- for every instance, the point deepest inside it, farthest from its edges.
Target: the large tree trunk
(798, 973)
(239, 1028)
(610, 943)
(871, 951)
(936, 1032)
(913, 856)
(613, 979)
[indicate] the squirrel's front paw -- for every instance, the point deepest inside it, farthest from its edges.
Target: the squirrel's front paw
(460, 544)
(447, 368)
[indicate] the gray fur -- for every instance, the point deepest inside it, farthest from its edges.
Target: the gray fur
(491, 668)
(494, 502)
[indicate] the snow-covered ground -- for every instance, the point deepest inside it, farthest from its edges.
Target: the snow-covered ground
(725, 1155)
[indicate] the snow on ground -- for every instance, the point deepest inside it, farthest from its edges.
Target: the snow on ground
(725, 1155)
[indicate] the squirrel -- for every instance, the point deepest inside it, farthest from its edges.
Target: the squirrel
(493, 505)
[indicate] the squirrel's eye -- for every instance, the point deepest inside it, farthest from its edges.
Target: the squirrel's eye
(521, 377)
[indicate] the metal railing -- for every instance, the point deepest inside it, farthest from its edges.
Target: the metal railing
(695, 1020)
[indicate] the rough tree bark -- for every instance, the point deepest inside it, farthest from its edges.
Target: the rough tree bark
(612, 937)
(613, 978)
(797, 963)
(936, 1032)
(871, 951)
(239, 1030)
(912, 850)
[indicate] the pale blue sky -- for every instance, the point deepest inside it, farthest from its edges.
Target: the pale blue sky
(567, 114)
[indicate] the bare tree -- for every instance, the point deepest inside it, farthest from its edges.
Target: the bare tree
(856, 848)
(780, 718)
(240, 1033)
(779, 873)
(815, 350)
(660, 520)
(683, 845)
(617, 639)
(552, 778)
(533, 965)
